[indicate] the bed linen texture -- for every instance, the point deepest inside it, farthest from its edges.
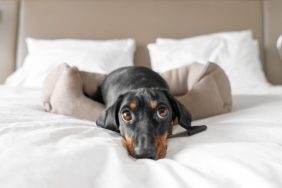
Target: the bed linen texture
(39, 149)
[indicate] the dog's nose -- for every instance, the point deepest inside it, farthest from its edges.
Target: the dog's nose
(145, 153)
(145, 147)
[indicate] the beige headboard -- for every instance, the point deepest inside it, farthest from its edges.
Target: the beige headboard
(143, 20)
(8, 37)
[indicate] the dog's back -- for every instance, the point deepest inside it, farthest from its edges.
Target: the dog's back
(125, 79)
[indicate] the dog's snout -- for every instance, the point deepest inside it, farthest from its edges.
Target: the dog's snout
(145, 153)
(145, 148)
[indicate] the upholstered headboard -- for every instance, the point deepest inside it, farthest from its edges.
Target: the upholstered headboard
(144, 20)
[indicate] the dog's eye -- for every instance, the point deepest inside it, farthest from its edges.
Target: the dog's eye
(162, 112)
(126, 115)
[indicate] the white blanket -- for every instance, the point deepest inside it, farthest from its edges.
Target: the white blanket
(39, 149)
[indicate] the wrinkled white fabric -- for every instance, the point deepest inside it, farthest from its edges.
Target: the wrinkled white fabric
(39, 149)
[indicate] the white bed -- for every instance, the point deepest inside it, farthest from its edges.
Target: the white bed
(39, 149)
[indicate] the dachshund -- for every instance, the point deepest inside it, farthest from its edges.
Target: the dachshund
(140, 107)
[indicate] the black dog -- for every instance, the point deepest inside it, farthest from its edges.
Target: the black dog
(140, 107)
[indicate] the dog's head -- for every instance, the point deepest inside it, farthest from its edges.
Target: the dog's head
(144, 117)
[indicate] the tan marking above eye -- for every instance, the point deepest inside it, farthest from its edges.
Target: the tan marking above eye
(132, 105)
(153, 104)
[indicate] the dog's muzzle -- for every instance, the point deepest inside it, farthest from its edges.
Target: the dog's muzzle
(145, 148)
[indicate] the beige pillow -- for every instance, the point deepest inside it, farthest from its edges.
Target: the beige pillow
(204, 89)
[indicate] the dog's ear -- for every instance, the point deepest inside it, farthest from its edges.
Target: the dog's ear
(179, 111)
(183, 116)
(108, 119)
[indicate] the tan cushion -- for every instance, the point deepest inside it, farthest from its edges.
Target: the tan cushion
(204, 89)
(64, 92)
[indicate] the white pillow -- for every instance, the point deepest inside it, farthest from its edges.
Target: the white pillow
(239, 58)
(173, 54)
(246, 74)
(88, 55)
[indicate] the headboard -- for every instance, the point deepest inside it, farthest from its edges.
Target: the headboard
(143, 20)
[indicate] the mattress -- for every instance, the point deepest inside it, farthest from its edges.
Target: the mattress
(40, 149)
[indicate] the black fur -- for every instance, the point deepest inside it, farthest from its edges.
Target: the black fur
(141, 85)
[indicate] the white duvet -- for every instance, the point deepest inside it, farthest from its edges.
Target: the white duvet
(39, 149)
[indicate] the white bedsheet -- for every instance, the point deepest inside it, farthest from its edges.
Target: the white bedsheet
(39, 149)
